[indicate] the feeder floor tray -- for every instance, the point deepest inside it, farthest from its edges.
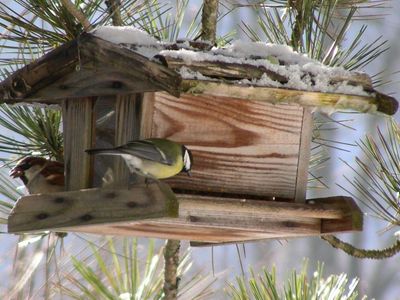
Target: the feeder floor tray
(143, 211)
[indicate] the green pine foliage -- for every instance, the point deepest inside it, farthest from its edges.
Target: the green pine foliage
(113, 272)
(31, 28)
(309, 29)
(299, 286)
(376, 176)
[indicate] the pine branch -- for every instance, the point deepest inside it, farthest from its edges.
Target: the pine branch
(209, 20)
(298, 27)
(171, 280)
(362, 253)
(114, 9)
(77, 14)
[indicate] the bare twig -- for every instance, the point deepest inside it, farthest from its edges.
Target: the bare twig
(114, 9)
(209, 20)
(362, 253)
(171, 280)
(73, 10)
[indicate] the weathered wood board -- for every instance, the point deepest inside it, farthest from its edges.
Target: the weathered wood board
(87, 66)
(143, 211)
(90, 206)
(78, 127)
(240, 147)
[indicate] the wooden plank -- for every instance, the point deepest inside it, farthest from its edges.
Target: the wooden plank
(132, 64)
(143, 211)
(40, 73)
(203, 244)
(78, 128)
(374, 102)
(93, 80)
(147, 115)
(184, 230)
(304, 156)
(236, 71)
(220, 69)
(87, 66)
(239, 147)
(203, 206)
(127, 128)
(93, 206)
(353, 221)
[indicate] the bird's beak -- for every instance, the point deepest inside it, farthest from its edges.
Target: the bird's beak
(16, 172)
(189, 174)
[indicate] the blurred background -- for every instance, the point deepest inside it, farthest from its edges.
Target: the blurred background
(379, 279)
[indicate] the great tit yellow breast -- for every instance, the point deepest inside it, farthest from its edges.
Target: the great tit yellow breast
(161, 171)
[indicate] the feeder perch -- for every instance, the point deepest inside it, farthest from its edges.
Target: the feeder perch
(250, 142)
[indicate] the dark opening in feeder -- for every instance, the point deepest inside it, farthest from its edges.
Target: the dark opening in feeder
(251, 144)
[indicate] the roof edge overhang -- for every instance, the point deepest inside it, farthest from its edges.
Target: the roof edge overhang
(50, 77)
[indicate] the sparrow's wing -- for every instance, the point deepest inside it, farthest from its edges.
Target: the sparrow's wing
(54, 172)
(145, 150)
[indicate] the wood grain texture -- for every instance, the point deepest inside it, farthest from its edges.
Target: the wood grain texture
(93, 206)
(147, 113)
(185, 230)
(143, 211)
(203, 206)
(304, 156)
(219, 69)
(78, 128)
(236, 71)
(374, 102)
(88, 66)
(239, 146)
(41, 72)
(127, 128)
(353, 221)
(93, 80)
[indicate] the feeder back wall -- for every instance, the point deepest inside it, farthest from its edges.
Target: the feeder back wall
(240, 147)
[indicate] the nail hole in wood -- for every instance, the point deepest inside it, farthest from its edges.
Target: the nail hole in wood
(110, 195)
(86, 217)
(290, 224)
(59, 200)
(116, 85)
(42, 216)
(193, 218)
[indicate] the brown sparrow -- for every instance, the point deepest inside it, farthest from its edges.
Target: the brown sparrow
(40, 175)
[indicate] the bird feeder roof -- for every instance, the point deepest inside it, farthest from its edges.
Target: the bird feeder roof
(114, 60)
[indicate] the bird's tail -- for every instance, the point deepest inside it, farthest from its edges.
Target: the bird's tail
(103, 151)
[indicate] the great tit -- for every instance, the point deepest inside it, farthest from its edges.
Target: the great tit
(152, 158)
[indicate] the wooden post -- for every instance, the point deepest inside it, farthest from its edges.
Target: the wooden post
(78, 127)
(127, 128)
(304, 156)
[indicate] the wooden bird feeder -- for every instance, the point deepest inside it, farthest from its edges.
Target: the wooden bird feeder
(251, 145)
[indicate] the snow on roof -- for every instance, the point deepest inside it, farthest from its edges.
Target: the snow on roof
(302, 72)
(124, 35)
